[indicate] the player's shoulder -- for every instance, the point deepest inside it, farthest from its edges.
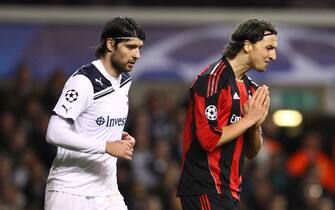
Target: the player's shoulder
(78, 80)
(89, 71)
(205, 73)
(97, 80)
(78, 85)
(211, 78)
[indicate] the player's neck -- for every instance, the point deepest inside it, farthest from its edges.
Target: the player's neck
(109, 68)
(240, 66)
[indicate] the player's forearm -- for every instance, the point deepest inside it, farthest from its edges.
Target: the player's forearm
(60, 134)
(234, 130)
(255, 142)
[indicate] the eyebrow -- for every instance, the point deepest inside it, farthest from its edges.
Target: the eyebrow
(271, 46)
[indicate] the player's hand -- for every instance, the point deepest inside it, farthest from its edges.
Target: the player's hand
(265, 114)
(256, 108)
(120, 149)
(126, 136)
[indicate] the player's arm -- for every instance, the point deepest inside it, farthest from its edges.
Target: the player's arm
(59, 133)
(210, 135)
(234, 130)
(204, 110)
(76, 97)
(209, 130)
(254, 113)
(255, 142)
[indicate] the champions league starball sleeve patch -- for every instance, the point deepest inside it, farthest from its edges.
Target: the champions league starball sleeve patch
(211, 112)
(74, 97)
(71, 95)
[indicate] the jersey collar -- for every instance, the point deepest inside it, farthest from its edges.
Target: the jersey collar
(98, 64)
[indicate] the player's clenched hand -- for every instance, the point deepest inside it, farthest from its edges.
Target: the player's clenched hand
(256, 107)
(120, 149)
(126, 136)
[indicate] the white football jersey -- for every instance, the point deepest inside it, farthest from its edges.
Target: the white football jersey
(97, 106)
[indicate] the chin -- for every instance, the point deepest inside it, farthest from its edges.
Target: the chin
(129, 69)
(260, 69)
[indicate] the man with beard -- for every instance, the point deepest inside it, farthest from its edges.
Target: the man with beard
(88, 121)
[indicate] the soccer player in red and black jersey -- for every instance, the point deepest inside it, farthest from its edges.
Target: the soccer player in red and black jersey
(223, 121)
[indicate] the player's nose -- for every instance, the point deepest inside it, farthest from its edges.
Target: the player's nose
(137, 54)
(273, 55)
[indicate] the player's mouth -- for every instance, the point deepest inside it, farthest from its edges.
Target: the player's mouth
(131, 64)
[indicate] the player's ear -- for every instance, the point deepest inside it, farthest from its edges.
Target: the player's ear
(110, 44)
(247, 46)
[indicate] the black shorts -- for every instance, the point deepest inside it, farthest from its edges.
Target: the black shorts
(208, 202)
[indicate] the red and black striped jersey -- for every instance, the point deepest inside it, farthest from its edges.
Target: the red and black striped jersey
(216, 100)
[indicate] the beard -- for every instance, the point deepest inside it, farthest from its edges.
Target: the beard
(261, 68)
(118, 66)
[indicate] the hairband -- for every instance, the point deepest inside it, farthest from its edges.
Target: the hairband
(125, 37)
(268, 33)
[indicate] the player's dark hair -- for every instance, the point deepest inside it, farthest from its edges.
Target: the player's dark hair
(252, 30)
(116, 28)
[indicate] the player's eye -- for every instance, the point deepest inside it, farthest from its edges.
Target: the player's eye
(132, 46)
(270, 47)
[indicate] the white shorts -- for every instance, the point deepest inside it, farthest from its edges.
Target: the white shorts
(55, 200)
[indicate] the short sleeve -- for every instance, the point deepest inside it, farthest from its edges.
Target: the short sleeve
(76, 96)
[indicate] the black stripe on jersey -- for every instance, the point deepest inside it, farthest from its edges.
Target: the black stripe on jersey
(213, 100)
(104, 93)
(249, 83)
(69, 120)
(226, 161)
(97, 79)
(202, 84)
(125, 79)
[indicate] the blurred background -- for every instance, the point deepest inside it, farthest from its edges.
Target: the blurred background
(43, 42)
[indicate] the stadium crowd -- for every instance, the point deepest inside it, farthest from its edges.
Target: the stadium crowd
(288, 174)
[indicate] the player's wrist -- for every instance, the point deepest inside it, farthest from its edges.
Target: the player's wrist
(109, 148)
(250, 120)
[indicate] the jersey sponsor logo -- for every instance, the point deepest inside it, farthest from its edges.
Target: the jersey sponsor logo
(110, 122)
(100, 121)
(211, 112)
(71, 95)
(234, 118)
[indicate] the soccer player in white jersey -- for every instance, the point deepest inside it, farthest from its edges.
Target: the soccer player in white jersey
(88, 121)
